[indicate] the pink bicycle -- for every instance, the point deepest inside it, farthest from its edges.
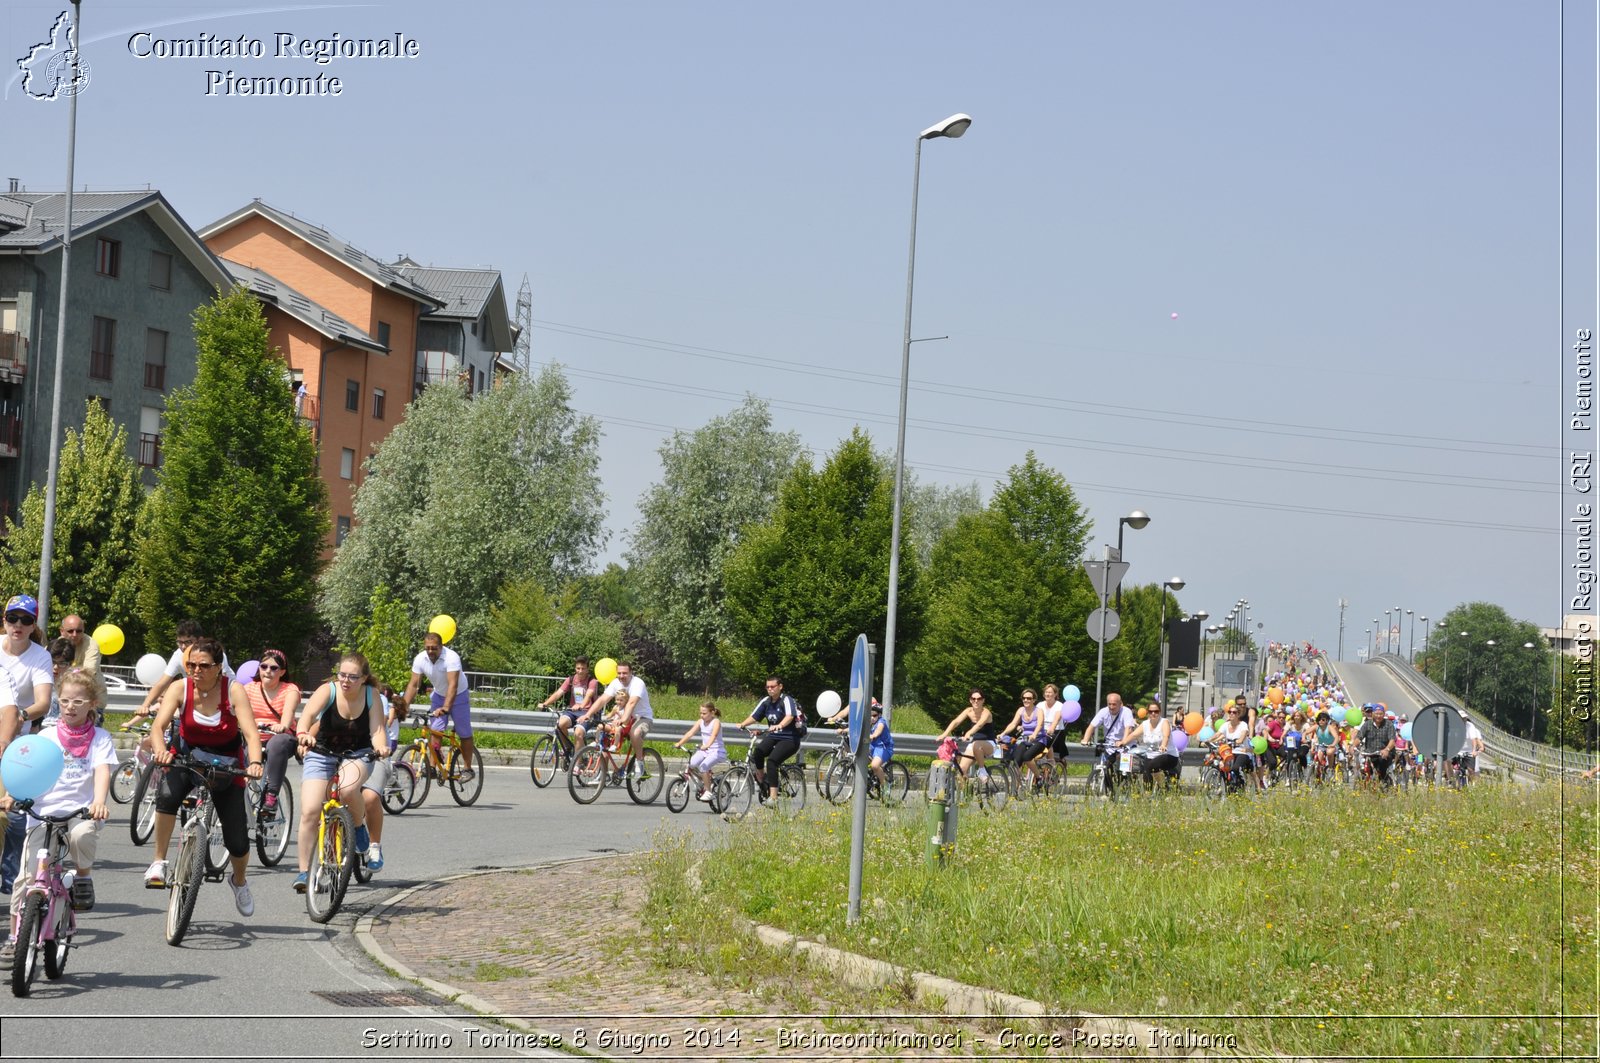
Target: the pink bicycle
(45, 923)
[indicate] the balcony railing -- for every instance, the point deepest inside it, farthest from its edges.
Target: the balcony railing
(10, 435)
(149, 451)
(13, 357)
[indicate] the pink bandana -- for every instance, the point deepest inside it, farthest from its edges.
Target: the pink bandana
(75, 742)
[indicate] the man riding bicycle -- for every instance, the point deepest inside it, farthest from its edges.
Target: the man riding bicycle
(576, 693)
(1376, 739)
(449, 698)
(633, 715)
(781, 713)
(1117, 720)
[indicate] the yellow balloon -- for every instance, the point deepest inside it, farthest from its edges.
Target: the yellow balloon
(444, 626)
(605, 669)
(109, 638)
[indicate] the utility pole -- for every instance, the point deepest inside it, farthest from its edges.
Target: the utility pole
(1344, 603)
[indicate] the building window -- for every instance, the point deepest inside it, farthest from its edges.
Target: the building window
(341, 531)
(377, 404)
(105, 340)
(149, 437)
(352, 396)
(347, 463)
(481, 380)
(155, 359)
(107, 257)
(383, 334)
(161, 270)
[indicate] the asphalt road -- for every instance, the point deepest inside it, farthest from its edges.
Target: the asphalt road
(242, 988)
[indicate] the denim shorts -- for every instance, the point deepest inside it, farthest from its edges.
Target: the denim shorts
(320, 766)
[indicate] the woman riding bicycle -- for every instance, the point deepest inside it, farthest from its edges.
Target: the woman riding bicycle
(782, 739)
(1236, 733)
(214, 723)
(980, 735)
(346, 718)
(275, 703)
(1152, 740)
(1028, 723)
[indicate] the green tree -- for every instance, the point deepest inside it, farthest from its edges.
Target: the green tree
(613, 592)
(1479, 654)
(467, 494)
(527, 636)
(801, 585)
(933, 509)
(383, 636)
(716, 481)
(1007, 599)
(94, 572)
(233, 533)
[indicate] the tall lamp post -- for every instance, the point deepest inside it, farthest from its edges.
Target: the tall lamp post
(1174, 584)
(1394, 648)
(52, 474)
(1411, 647)
(1387, 647)
(1424, 638)
(1137, 521)
(1374, 638)
(1533, 709)
(952, 128)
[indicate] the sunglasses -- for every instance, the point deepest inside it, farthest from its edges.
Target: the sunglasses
(200, 666)
(20, 618)
(270, 668)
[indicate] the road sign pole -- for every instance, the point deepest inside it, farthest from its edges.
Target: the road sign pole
(1100, 656)
(861, 695)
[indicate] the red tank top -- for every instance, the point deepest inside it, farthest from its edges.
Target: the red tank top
(222, 738)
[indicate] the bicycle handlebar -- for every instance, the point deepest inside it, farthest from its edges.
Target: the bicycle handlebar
(368, 754)
(27, 806)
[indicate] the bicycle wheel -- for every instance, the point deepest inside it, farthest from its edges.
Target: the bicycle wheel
(272, 835)
(216, 848)
(824, 772)
(400, 788)
(545, 761)
(125, 779)
(25, 963)
(1213, 785)
(678, 794)
(897, 783)
(466, 780)
(994, 791)
(588, 775)
(183, 889)
(56, 949)
(791, 790)
(841, 782)
(736, 792)
(330, 866)
(414, 758)
(646, 787)
(142, 820)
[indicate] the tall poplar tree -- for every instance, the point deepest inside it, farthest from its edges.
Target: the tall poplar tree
(233, 533)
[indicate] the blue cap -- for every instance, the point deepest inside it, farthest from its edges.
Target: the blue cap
(25, 603)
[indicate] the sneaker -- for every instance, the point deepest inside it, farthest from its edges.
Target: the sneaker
(83, 894)
(269, 808)
(302, 882)
(363, 839)
(704, 795)
(375, 858)
(242, 899)
(8, 951)
(155, 876)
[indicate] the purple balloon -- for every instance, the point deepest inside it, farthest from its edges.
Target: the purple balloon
(1070, 711)
(1180, 740)
(247, 672)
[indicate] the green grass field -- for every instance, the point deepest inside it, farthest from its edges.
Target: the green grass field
(1449, 913)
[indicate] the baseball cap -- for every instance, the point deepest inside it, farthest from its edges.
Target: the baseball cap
(25, 603)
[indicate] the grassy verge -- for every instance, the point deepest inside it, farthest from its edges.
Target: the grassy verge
(1316, 912)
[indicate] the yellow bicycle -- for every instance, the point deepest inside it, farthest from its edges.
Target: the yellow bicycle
(437, 755)
(334, 859)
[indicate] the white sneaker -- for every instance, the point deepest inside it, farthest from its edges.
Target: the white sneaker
(155, 876)
(704, 795)
(242, 899)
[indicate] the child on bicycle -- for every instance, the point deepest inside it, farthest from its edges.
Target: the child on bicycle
(88, 759)
(711, 752)
(880, 743)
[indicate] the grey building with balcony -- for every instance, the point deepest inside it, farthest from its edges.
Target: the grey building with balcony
(466, 337)
(138, 274)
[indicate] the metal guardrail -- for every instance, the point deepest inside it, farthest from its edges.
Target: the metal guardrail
(1534, 758)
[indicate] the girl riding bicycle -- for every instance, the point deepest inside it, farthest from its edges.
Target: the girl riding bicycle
(345, 717)
(980, 735)
(711, 752)
(89, 756)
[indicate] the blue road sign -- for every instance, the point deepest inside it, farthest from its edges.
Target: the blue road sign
(860, 696)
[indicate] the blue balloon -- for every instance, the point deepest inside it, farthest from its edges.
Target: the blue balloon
(1071, 693)
(1206, 734)
(1337, 714)
(30, 767)
(1405, 732)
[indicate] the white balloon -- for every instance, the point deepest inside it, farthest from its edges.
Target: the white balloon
(150, 668)
(828, 703)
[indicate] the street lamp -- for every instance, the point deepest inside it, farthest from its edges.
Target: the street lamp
(1175, 584)
(1424, 639)
(1411, 647)
(1533, 709)
(1374, 639)
(1368, 632)
(1135, 520)
(952, 128)
(1386, 647)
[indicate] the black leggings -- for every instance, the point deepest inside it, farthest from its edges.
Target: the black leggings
(175, 786)
(279, 749)
(773, 750)
(1022, 752)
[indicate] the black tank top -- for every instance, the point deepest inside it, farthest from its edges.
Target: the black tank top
(341, 735)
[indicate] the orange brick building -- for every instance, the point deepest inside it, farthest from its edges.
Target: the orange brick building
(346, 323)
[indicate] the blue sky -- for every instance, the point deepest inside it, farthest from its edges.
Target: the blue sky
(1353, 210)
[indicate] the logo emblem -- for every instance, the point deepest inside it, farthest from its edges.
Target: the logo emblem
(47, 68)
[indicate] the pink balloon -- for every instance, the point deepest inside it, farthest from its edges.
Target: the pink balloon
(1070, 711)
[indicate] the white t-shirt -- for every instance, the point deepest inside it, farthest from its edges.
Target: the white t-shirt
(635, 690)
(74, 788)
(438, 672)
(33, 667)
(1474, 737)
(175, 666)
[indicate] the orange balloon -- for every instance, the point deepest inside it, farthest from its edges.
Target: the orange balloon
(1275, 695)
(1143, 713)
(1192, 723)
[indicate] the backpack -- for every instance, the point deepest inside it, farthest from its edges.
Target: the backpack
(799, 718)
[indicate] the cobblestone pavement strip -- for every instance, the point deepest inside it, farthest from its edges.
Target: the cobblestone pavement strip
(550, 945)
